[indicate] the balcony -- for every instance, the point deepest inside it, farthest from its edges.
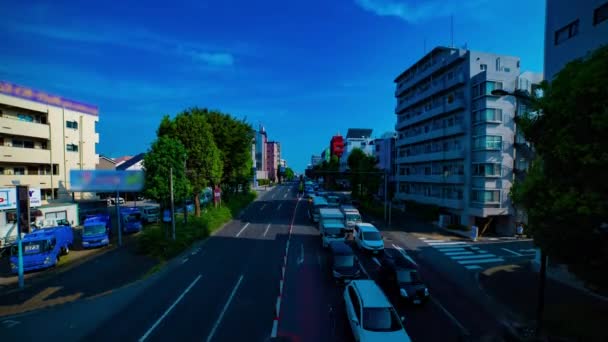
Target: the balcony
(443, 155)
(440, 109)
(36, 181)
(452, 179)
(438, 63)
(442, 202)
(432, 134)
(24, 128)
(24, 155)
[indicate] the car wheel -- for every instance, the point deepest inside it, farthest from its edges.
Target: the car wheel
(66, 250)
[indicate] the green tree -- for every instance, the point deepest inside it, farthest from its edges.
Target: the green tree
(365, 176)
(164, 154)
(289, 174)
(565, 193)
(204, 164)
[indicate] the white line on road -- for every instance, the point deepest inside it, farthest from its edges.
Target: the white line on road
(438, 244)
(263, 206)
(239, 233)
(473, 267)
(460, 249)
(376, 261)
(301, 258)
(510, 251)
(428, 241)
(184, 260)
(272, 196)
(458, 324)
(285, 196)
(405, 254)
(458, 253)
(279, 207)
(169, 309)
(219, 319)
(364, 270)
(482, 261)
(266, 231)
(476, 256)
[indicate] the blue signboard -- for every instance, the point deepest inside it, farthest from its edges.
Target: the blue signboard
(106, 180)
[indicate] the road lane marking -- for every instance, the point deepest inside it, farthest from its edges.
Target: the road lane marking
(476, 256)
(481, 261)
(143, 338)
(451, 249)
(512, 252)
(263, 206)
(266, 231)
(376, 261)
(458, 253)
(301, 259)
(9, 323)
(219, 319)
(402, 251)
(439, 244)
(285, 196)
(279, 207)
(184, 260)
(449, 314)
(473, 267)
(239, 233)
(364, 270)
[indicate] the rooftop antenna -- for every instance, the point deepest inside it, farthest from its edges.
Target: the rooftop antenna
(452, 30)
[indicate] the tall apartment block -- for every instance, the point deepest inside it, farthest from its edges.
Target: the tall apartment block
(43, 137)
(456, 141)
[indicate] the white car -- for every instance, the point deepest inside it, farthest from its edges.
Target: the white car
(371, 315)
(368, 237)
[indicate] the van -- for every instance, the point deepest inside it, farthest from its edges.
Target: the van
(318, 203)
(343, 262)
(330, 214)
(351, 217)
(150, 214)
(130, 219)
(331, 226)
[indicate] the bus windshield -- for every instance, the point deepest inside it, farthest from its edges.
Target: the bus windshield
(94, 230)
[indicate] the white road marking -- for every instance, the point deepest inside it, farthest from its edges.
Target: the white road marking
(458, 253)
(376, 261)
(272, 196)
(169, 309)
(438, 244)
(531, 250)
(279, 207)
(266, 231)
(460, 249)
(476, 256)
(219, 319)
(402, 251)
(275, 328)
(184, 260)
(473, 267)
(263, 206)
(482, 261)
(9, 323)
(239, 233)
(456, 322)
(512, 252)
(474, 248)
(429, 241)
(285, 196)
(301, 258)
(364, 270)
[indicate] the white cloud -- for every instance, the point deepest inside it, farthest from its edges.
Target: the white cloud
(416, 10)
(217, 59)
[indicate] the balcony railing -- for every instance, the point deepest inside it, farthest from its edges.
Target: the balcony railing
(415, 117)
(432, 134)
(24, 155)
(437, 63)
(24, 128)
(439, 201)
(422, 178)
(442, 155)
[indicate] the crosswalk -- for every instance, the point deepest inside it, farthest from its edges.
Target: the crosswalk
(466, 254)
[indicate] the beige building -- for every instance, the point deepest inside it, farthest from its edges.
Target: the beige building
(43, 137)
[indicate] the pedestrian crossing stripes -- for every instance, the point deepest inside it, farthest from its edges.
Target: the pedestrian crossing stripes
(465, 254)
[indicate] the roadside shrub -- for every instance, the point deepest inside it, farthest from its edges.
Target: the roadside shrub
(263, 182)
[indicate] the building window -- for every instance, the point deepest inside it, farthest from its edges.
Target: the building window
(566, 32)
(72, 147)
(488, 86)
(28, 144)
(19, 170)
(488, 115)
(483, 67)
(486, 196)
(71, 124)
(505, 69)
(600, 14)
(25, 117)
(1, 170)
(55, 170)
(487, 170)
(488, 142)
(475, 90)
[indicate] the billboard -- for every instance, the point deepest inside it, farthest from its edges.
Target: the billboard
(106, 180)
(8, 198)
(42, 97)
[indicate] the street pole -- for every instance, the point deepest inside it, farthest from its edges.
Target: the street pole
(172, 205)
(19, 243)
(541, 292)
(385, 195)
(117, 204)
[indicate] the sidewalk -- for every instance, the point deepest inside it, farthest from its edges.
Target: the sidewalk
(569, 314)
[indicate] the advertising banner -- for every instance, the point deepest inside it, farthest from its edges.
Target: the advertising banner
(106, 180)
(8, 198)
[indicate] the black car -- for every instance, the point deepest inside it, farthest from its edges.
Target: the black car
(343, 262)
(400, 279)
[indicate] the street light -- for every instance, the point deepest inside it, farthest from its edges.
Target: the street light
(519, 94)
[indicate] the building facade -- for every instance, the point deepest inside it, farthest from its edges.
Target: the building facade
(356, 138)
(43, 137)
(573, 31)
(456, 141)
(336, 145)
(385, 152)
(105, 163)
(261, 140)
(273, 157)
(315, 160)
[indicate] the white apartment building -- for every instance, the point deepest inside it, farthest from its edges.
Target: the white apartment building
(356, 138)
(456, 141)
(572, 30)
(43, 137)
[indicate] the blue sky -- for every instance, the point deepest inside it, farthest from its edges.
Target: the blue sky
(305, 69)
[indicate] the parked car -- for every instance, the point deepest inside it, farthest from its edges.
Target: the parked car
(112, 200)
(371, 315)
(343, 262)
(368, 237)
(399, 278)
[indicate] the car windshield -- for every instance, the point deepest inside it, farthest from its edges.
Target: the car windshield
(94, 229)
(344, 260)
(381, 319)
(372, 236)
(153, 211)
(408, 276)
(334, 232)
(133, 217)
(33, 247)
(353, 217)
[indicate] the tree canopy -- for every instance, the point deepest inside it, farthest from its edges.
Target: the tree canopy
(364, 175)
(565, 194)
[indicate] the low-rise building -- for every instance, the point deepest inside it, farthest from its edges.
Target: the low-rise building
(356, 138)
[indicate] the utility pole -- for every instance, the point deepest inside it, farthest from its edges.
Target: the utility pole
(172, 205)
(541, 292)
(385, 195)
(117, 204)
